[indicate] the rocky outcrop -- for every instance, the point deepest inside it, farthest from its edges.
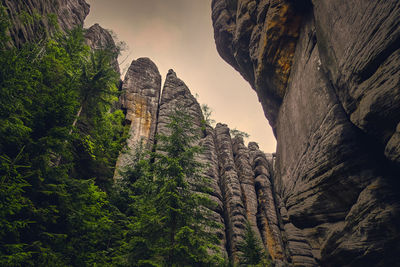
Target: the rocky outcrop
(176, 95)
(335, 113)
(35, 19)
(99, 38)
(229, 166)
(141, 90)
(258, 38)
(245, 173)
(267, 214)
(234, 208)
(209, 158)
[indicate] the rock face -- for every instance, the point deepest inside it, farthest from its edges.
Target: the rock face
(258, 38)
(267, 214)
(235, 212)
(99, 39)
(230, 166)
(176, 94)
(327, 75)
(34, 19)
(140, 97)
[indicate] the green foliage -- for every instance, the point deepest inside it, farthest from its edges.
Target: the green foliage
(26, 18)
(237, 133)
(4, 24)
(168, 222)
(59, 141)
(207, 111)
(52, 212)
(53, 21)
(251, 251)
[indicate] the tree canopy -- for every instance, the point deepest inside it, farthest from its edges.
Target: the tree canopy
(56, 214)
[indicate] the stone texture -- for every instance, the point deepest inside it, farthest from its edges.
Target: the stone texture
(235, 213)
(140, 96)
(229, 166)
(209, 158)
(360, 49)
(70, 13)
(246, 178)
(267, 214)
(99, 39)
(258, 38)
(335, 118)
(176, 94)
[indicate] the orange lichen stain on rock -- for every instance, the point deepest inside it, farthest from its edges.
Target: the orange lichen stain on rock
(282, 29)
(143, 117)
(270, 243)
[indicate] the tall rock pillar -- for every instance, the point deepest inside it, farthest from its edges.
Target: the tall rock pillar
(140, 96)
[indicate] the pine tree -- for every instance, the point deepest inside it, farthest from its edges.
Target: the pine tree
(170, 225)
(251, 250)
(50, 215)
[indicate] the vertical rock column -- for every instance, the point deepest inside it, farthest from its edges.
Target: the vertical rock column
(267, 214)
(176, 93)
(141, 93)
(209, 158)
(246, 178)
(235, 213)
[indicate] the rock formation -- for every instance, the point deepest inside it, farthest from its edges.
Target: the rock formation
(267, 213)
(327, 75)
(140, 101)
(35, 19)
(99, 39)
(230, 166)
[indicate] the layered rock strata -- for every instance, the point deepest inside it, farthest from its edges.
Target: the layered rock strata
(335, 114)
(267, 214)
(177, 96)
(34, 19)
(234, 208)
(246, 176)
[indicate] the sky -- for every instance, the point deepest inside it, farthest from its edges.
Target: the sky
(178, 35)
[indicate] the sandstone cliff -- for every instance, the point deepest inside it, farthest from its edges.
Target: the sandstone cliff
(141, 90)
(327, 75)
(238, 176)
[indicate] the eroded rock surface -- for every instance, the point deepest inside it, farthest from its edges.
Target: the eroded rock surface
(267, 215)
(246, 179)
(35, 19)
(235, 212)
(258, 38)
(335, 113)
(229, 166)
(176, 95)
(99, 38)
(141, 90)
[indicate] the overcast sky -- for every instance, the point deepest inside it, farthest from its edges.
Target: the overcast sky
(178, 34)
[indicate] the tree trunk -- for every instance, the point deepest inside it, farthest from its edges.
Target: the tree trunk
(57, 161)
